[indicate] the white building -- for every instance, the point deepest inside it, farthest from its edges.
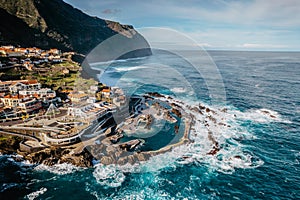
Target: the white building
(16, 86)
(41, 93)
(11, 100)
(78, 97)
(30, 105)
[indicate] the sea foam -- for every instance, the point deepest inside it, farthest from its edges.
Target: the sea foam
(36, 194)
(109, 176)
(212, 126)
(125, 69)
(260, 116)
(59, 169)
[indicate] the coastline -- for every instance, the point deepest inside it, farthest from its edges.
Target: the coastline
(78, 153)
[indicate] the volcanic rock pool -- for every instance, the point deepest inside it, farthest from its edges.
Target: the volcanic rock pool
(155, 127)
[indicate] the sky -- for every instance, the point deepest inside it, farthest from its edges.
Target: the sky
(264, 25)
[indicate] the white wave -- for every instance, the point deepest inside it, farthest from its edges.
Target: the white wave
(144, 193)
(223, 127)
(59, 169)
(109, 176)
(126, 69)
(18, 160)
(155, 163)
(178, 90)
(36, 194)
(213, 126)
(260, 115)
(141, 191)
(25, 163)
(116, 61)
(145, 190)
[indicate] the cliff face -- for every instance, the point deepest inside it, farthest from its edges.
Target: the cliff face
(54, 23)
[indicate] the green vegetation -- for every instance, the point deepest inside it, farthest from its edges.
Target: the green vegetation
(59, 76)
(62, 75)
(84, 84)
(2, 138)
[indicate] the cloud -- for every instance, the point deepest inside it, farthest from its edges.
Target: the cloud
(255, 12)
(280, 13)
(111, 11)
(227, 24)
(246, 39)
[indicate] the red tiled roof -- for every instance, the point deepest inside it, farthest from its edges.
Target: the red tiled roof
(106, 90)
(9, 96)
(32, 82)
(26, 82)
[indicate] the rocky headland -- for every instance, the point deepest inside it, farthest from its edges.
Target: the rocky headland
(54, 23)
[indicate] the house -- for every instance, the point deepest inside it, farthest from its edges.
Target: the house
(30, 105)
(9, 47)
(118, 96)
(54, 51)
(77, 97)
(28, 65)
(11, 53)
(91, 100)
(47, 93)
(7, 113)
(11, 100)
(2, 52)
(119, 101)
(41, 93)
(4, 86)
(21, 50)
(94, 88)
(44, 54)
(76, 112)
(34, 50)
(17, 86)
(105, 93)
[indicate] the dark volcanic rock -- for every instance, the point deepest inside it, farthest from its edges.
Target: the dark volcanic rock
(155, 94)
(176, 129)
(176, 112)
(52, 156)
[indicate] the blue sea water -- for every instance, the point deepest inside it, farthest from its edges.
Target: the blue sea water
(254, 82)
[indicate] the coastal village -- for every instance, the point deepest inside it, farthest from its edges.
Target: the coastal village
(26, 98)
(40, 115)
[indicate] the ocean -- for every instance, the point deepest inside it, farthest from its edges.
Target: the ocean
(260, 150)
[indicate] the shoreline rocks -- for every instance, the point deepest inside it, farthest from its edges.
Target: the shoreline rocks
(108, 150)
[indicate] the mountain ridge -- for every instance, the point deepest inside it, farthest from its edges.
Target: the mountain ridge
(54, 23)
